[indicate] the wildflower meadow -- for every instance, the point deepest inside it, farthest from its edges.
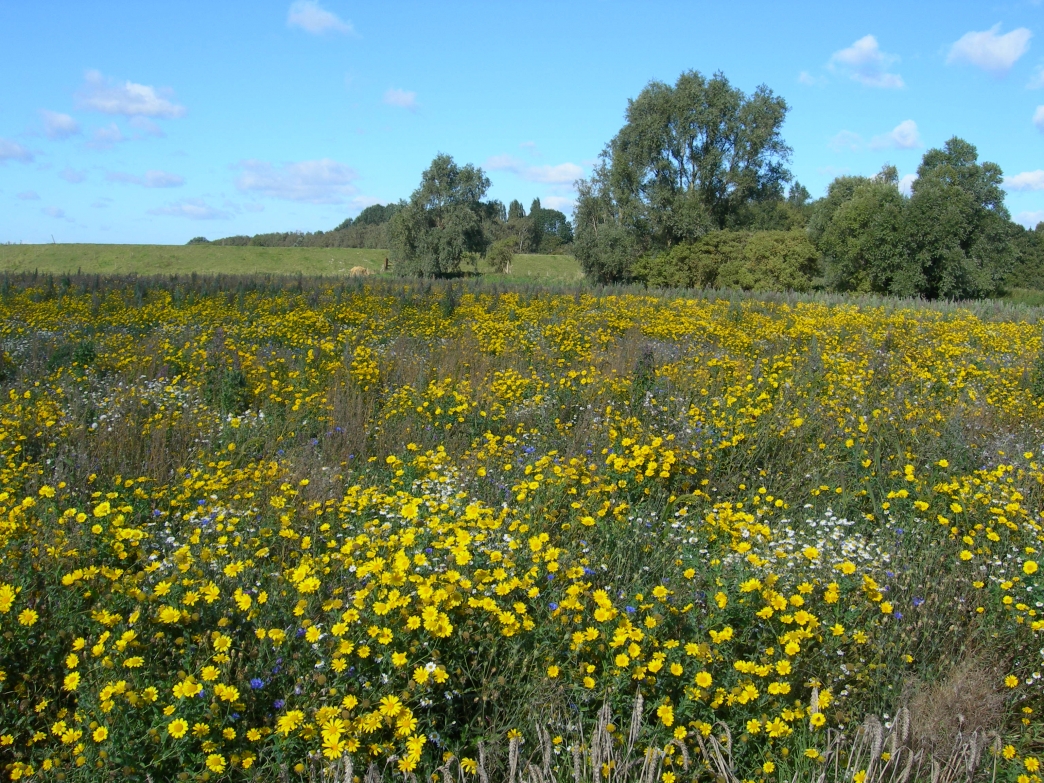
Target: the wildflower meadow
(276, 529)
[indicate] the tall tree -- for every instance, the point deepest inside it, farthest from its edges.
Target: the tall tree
(860, 229)
(442, 222)
(959, 231)
(689, 159)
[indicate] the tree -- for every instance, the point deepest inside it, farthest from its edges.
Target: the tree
(500, 254)
(442, 222)
(689, 159)
(863, 239)
(959, 233)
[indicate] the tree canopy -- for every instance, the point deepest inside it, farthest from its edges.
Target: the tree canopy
(689, 159)
(442, 222)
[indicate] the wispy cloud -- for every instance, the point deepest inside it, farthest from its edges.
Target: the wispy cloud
(846, 140)
(562, 174)
(313, 18)
(12, 150)
(810, 80)
(53, 212)
(906, 184)
(1036, 81)
(1038, 118)
(865, 63)
(1030, 219)
(59, 126)
(1027, 180)
(151, 179)
(72, 176)
(989, 50)
(128, 99)
(903, 136)
(404, 99)
(28, 195)
(106, 138)
(322, 181)
(146, 126)
(561, 203)
(193, 209)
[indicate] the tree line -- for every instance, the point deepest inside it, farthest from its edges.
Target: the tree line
(446, 221)
(692, 192)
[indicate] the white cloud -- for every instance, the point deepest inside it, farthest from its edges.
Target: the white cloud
(253, 206)
(53, 212)
(404, 99)
(1027, 180)
(105, 138)
(845, 140)
(865, 63)
(72, 176)
(152, 179)
(903, 136)
(11, 150)
(147, 126)
(906, 184)
(561, 203)
(989, 50)
(310, 16)
(808, 79)
(59, 126)
(322, 181)
(1036, 81)
(562, 174)
(1038, 120)
(102, 202)
(28, 195)
(1030, 219)
(193, 209)
(128, 99)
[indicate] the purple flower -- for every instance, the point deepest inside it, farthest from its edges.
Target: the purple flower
(279, 704)
(552, 606)
(257, 683)
(917, 602)
(630, 609)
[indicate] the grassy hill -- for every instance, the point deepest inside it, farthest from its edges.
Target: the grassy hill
(218, 259)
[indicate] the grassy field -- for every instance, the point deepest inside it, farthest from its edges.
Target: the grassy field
(217, 259)
(263, 529)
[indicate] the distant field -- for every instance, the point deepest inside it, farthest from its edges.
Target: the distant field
(219, 259)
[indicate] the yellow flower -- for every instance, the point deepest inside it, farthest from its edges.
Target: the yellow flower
(1011, 681)
(390, 706)
(768, 767)
(177, 728)
(817, 719)
(667, 777)
(102, 509)
(469, 765)
(665, 712)
(216, 763)
(28, 617)
(704, 679)
(100, 734)
(1029, 567)
(72, 681)
(552, 671)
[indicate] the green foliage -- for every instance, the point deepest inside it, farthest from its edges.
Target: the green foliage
(952, 239)
(500, 255)
(752, 261)
(442, 222)
(690, 158)
(863, 240)
(958, 229)
(198, 241)
(606, 253)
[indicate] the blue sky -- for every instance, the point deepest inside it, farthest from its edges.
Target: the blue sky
(156, 122)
